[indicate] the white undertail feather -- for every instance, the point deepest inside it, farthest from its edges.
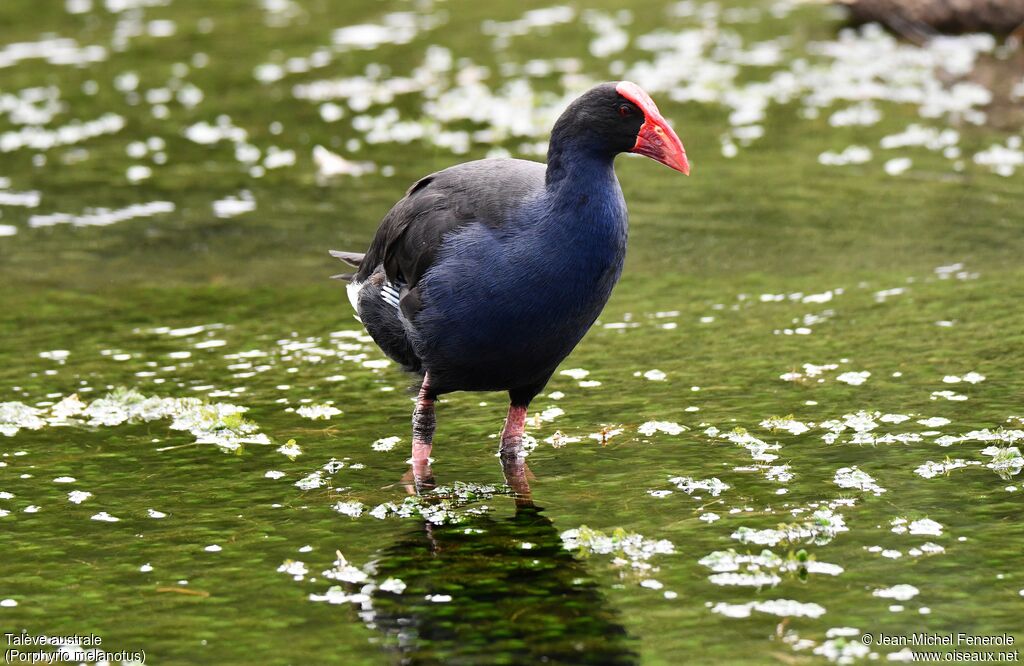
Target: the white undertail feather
(353, 288)
(389, 293)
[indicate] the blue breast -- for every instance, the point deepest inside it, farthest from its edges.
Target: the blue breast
(503, 306)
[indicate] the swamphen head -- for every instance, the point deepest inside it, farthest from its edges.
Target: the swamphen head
(620, 117)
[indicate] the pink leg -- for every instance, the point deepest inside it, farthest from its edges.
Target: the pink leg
(423, 423)
(512, 433)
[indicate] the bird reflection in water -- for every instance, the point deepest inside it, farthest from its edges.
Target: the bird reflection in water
(493, 590)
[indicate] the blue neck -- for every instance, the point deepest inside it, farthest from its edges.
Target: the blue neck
(575, 159)
(581, 186)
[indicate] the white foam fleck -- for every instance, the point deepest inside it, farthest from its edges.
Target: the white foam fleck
(233, 206)
(897, 592)
(78, 496)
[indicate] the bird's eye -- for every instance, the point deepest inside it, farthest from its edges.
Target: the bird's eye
(625, 110)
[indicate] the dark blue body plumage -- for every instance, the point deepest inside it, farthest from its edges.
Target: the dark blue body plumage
(503, 305)
(486, 275)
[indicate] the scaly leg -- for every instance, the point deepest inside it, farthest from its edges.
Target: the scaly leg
(512, 433)
(423, 422)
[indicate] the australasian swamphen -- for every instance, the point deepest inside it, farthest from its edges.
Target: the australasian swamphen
(487, 274)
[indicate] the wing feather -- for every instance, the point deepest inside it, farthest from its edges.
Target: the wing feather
(412, 234)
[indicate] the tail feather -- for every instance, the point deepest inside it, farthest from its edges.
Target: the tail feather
(353, 259)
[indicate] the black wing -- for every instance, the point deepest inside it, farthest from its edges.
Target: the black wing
(412, 233)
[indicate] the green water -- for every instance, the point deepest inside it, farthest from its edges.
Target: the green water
(495, 583)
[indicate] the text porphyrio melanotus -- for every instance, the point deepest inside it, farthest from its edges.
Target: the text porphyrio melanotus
(487, 274)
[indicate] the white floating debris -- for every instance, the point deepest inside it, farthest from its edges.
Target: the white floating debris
(788, 424)
(78, 496)
(559, 439)
(713, 486)
(932, 469)
(290, 449)
(898, 165)
(311, 481)
(277, 158)
(605, 435)
(897, 592)
(103, 216)
(294, 568)
(850, 155)
(852, 477)
(668, 427)
(1003, 160)
(331, 164)
(934, 421)
(345, 572)
(823, 526)
(924, 526)
(780, 607)
(41, 139)
(26, 199)
(137, 173)
(58, 355)
(627, 549)
(861, 114)
(206, 134)
(386, 443)
(919, 135)
(853, 378)
(232, 206)
(393, 585)
(351, 509)
(318, 412)
(549, 414)
(1006, 461)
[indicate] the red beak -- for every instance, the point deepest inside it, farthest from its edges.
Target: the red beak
(656, 139)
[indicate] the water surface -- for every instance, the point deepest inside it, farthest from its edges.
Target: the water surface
(797, 421)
